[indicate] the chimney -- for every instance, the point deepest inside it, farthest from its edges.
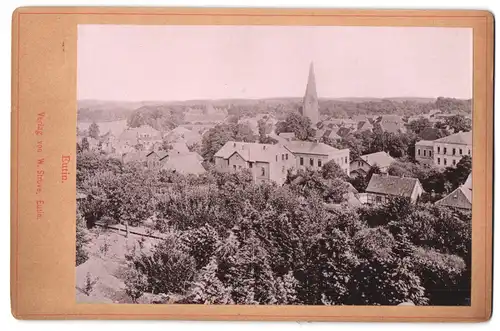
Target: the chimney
(234, 144)
(263, 147)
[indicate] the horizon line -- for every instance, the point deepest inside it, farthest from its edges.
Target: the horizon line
(271, 98)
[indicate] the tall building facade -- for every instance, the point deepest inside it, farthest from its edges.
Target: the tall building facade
(310, 107)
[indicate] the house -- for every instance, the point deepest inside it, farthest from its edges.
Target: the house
(144, 135)
(188, 163)
(327, 133)
(382, 188)
(448, 151)
(154, 159)
(182, 134)
(424, 150)
(460, 198)
(365, 126)
(266, 162)
(287, 136)
(390, 124)
(344, 131)
(331, 134)
(361, 165)
(313, 155)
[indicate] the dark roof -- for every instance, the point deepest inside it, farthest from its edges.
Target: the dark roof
(392, 185)
(342, 132)
(460, 198)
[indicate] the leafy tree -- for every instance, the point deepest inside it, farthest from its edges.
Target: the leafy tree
(135, 284)
(85, 144)
(458, 175)
(298, 124)
(459, 123)
(208, 288)
(263, 133)
(94, 130)
(216, 137)
(168, 268)
(332, 170)
(419, 125)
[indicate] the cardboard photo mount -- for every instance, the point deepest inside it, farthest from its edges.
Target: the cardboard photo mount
(44, 111)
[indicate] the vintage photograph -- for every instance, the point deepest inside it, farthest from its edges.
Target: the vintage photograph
(274, 165)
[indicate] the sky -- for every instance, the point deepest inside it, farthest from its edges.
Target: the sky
(174, 63)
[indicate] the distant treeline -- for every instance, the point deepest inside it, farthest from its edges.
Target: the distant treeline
(164, 116)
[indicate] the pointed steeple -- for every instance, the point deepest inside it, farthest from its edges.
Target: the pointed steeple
(310, 103)
(311, 82)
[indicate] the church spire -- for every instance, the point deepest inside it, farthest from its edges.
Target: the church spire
(310, 103)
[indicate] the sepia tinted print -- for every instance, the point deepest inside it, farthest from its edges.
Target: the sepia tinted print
(274, 165)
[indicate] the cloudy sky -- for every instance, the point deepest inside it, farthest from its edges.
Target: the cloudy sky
(137, 63)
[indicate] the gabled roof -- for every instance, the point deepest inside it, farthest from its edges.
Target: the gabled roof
(392, 185)
(391, 127)
(287, 135)
(426, 143)
(464, 138)
(381, 159)
(459, 198)
(307, 147)
(252, 152)
(184, 163)
(331, 134)
(364, 125)
(342, 132)
(161, 154)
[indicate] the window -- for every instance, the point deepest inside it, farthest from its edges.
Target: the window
(439, 160)
(439, 149)
(378, 198)
(418, 151)
(262, 171)
(469, 151)
(445, 161)
(461, 151)
(282, 157)
(360, 163)
(311, 162)
(286, 156)
(250, 165)
(430, 153)
(346, 159)
(276, 157)
(319, 163)
(283, 169)
(444, 150)
(301, 161)
(454, 162)
(234, 166)
(454, 151)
